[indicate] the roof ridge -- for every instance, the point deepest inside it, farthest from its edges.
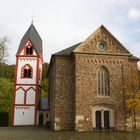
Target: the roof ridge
(68, 50)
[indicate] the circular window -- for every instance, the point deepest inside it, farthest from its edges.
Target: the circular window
(101, 46)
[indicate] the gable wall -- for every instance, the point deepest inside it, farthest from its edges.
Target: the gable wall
(86, 67)
(101, 35)
(23, 53)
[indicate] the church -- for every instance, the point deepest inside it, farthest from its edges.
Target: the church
(86, 84)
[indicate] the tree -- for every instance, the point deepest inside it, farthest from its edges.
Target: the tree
(45, 80)
(7, 71)
(3, 49)
(133, 105)
(132, 96)
(44, 71)
(6, 91)
(44, 91)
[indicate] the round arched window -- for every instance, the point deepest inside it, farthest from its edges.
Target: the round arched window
(26, 71)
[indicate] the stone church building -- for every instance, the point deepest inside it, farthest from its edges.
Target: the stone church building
(88, 84)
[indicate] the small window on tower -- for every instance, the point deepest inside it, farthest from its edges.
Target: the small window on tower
(29, 50)
(26, 71)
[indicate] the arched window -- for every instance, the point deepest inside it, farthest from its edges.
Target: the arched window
(103, 82)
(26, 71)
(29, 50)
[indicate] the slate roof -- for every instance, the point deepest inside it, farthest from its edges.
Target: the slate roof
(34, 37)
(44, 104)
(134, 58)
(68, 51)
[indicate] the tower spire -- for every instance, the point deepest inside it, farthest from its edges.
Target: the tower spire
(32, 19)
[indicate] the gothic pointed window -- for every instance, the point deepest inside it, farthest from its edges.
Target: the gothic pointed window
(26, 71)
(103, 82)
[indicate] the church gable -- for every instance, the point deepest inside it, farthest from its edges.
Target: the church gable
(102, 41)
(35, 40)
(28, 49)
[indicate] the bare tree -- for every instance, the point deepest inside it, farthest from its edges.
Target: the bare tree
(3, 49)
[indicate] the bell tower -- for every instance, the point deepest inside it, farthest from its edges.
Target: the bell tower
(28, 76)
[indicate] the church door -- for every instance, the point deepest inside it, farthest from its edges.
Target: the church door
(41, 119)
(106, 120)
(98, 120)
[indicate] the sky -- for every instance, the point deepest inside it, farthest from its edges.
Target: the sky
(63, 23)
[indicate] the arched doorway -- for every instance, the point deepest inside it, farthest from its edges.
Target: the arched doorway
(41, 118)
(103, 117)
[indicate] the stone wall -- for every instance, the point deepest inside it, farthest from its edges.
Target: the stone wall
(73, 88)
(101, 34)
(64, 94)
(86, 67)
(51, 91)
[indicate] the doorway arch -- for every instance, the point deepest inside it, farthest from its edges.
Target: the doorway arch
(41, 118)
(103, 117)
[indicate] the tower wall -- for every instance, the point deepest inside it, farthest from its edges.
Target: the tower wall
(26, 93)
(28, 76)
(33, 63)
(27, 111)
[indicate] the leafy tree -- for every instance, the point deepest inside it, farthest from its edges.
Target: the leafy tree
(132, 96)
(44, 88)
(7, 71)
(134, 102)
(44, 70)
(45, 80)
(6, 91)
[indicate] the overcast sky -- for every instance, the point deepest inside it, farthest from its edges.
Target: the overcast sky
(62, 23)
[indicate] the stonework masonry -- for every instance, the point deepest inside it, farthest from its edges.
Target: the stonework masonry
(73, 86)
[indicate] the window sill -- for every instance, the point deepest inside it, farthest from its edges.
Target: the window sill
(26, 78)
(100, 96)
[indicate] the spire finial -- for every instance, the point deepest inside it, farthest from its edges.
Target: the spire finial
(32, 19)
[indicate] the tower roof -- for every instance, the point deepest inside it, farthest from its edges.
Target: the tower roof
(34, 37)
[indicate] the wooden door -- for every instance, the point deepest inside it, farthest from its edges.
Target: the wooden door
(98, 120)
(106, 120)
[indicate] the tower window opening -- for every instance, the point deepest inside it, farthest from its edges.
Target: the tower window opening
(26, 71)
(29, 50)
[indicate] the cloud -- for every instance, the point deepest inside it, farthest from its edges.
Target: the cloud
(133, 13)
(135, 51)
(137, 30)
(63, 23)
